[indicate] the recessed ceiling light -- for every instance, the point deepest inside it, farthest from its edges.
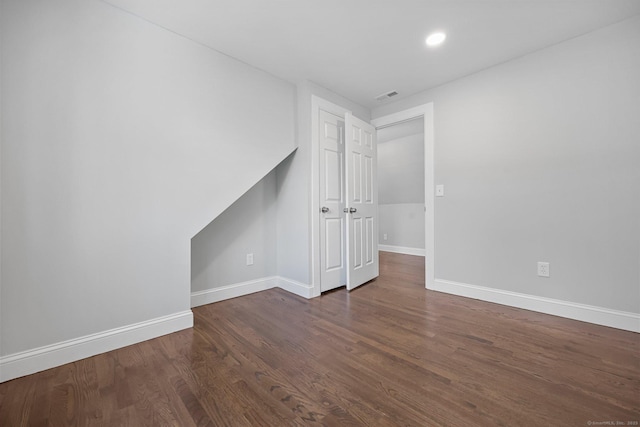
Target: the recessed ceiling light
(435, 39)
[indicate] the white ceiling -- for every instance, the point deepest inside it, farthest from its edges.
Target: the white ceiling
(362, 48)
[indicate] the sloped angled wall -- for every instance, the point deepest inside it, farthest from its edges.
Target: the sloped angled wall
(120, 142)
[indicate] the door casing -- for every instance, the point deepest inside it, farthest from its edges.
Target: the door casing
(426, 112)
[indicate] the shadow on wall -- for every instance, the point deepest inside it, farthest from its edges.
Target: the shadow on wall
(219, 251)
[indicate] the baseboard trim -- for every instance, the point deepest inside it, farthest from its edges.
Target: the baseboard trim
(402, 250)
(235, 290)
(571, 310)
(232, 291)
(295, 287)
(46, 357)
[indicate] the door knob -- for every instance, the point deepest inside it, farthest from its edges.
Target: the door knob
(324, 209)
(353, 210)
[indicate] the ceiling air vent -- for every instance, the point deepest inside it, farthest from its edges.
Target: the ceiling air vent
(386, 95)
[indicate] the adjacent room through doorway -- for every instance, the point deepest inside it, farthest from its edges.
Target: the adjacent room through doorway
(401, 175)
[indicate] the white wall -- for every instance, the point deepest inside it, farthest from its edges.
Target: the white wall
(218, 252)
(294, 188)
(540, 160)
(120, 141)
(401, 169)
(403, 225)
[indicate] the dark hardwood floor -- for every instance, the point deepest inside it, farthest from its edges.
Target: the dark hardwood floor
(387, 354)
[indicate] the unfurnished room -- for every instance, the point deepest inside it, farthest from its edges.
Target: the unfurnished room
(319, 213)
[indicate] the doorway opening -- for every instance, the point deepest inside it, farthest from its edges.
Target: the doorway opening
(425, 112)
(401, 195)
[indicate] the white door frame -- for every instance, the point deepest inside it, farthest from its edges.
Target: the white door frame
(425, 111)
(317, 104)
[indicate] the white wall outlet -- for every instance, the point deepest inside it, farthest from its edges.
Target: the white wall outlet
(543, 269)
(384, 236)
(440, 190)
(249, 259)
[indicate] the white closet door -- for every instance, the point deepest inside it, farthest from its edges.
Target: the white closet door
(361, 201)
(332, 198)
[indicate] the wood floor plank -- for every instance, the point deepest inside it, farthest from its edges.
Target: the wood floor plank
(389, 353)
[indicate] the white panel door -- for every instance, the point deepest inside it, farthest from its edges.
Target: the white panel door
(332, 198)
(362, 201)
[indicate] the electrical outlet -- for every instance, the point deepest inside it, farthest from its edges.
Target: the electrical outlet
(249, 259)
(384, 236)
(543, 269)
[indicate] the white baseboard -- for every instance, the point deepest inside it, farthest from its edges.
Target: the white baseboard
(402, 250)
(36, 360)
(295, 287)
(39, 359)
(571, 310)
(245, 288)
(231, 291)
